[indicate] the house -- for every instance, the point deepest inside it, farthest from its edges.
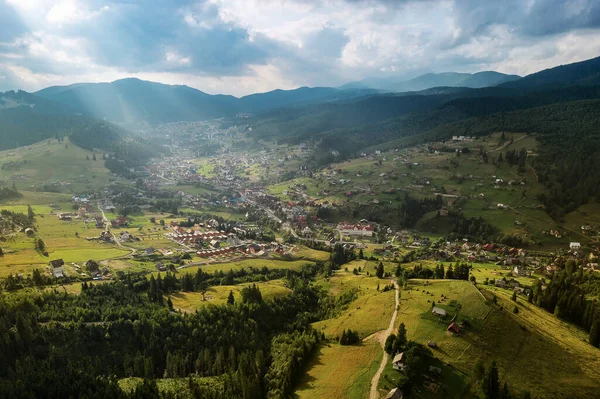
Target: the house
(395, 393)
(435, 370)
(307, 232)
(439, 312)
(444, 211)
(29, 231)
(57, 268)
(454, 328)
(398, 363)
(160, 267)
(500, 283)
(149, 251)
(575, 246)
(431, 344)
(520, 270)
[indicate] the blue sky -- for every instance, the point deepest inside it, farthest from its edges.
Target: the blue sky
(245, 46)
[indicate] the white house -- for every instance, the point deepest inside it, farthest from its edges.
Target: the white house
(438, 312)
(575, 245)
(398, 363)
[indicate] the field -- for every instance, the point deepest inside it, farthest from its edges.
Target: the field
(49, 163)
(217, 295)
(346, 371)
(63, 239)
(338, 371)
(370, 313)
(247, 263)
(534, 350)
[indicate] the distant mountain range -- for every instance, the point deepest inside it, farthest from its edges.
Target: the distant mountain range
(89, 108)
(133, 100)
(427, 81)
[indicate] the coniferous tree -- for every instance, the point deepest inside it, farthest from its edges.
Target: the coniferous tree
(491, 383)
(230, 298)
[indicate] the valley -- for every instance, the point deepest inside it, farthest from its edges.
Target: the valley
(249, 253)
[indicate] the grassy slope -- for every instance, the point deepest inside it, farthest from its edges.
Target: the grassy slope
(346, 371)
(340, 371)
(534, 350)
(217, 295)
(51, 162)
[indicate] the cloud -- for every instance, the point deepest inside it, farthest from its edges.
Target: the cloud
(238, 46)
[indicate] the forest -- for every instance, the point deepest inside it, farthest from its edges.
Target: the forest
(253, 348)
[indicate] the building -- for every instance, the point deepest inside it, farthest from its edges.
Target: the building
(439, 312)
(398, 363)
(356, 230)
(57, 268)
(454, 328)
(520, 270)
(500, 283)
(574, 246)
(395, 394)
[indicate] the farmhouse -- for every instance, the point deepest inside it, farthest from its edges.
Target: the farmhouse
(395, 394)
(520, 270)
(439, 312)
(575, 245)
(57, 268)
(398, 363)
(454, 328)
(500, 283)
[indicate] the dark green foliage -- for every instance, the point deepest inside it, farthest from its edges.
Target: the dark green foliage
(380, 270)
(230, 298)
(290, 353)
(595, 334)
(349, 337)
(491, 384)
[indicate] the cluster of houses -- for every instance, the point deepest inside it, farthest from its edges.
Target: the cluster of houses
(356, 230)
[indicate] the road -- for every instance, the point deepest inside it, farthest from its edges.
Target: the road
(375, 381)
(116, 240)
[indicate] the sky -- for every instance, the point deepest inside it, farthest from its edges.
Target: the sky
(246, 46)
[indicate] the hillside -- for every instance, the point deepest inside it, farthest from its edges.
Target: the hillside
(430, 80)
(584, 73)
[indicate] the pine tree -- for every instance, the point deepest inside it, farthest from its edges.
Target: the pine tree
(595, 333)
(380, 270)
(514, 296)
(491, 384)
(230, 298)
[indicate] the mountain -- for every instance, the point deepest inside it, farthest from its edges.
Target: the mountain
(584, 73)
(133, 100)
(26, 119)
(431, 80)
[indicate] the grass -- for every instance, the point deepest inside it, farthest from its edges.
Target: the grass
(340, 371)
(191, 301)
(311, 254)
(59, 236)
(370, 313)
(247, 263)
(52, 163)
(538, 352)
(534, 350)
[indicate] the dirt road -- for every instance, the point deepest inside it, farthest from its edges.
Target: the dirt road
(382, 337)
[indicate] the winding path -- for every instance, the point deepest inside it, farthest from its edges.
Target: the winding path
(375, 381)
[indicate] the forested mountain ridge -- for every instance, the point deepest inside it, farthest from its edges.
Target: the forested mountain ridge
(430, 80)
(133, 100)
(584, 73)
